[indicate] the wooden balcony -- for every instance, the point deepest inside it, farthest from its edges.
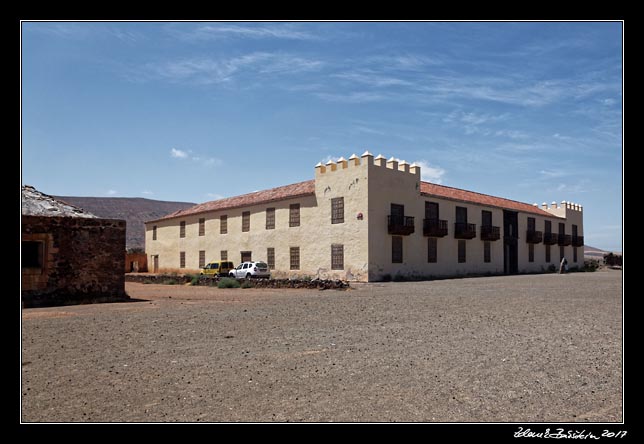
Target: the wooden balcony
(564, 240)
(578, 241)
(533, 237)
(400, 225)
(464, 230)
(434, 227)
(550, 238)
(490, 233)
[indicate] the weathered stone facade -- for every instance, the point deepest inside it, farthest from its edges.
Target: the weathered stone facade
(69, 260)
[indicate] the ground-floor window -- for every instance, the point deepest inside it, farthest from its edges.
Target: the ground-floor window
(396, 249)
(32, 254)
(202, 258)
(530, 252)
(246, 256)
(574, 254)
(270, 257)
(461, 251)
(182, 259)
(487, 253)
(432, 249)
(547, 253)
(223, 255)
(337, 257)
(295, 258)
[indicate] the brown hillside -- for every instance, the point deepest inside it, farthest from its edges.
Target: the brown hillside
(135, 211)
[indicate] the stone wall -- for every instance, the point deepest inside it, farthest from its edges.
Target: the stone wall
(81, 260)
(136, 263)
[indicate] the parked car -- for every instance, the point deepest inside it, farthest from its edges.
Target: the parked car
(218, 268)
(250, 270)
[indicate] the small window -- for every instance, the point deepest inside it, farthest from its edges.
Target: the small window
(223, 224)
(154, 232)
(295, 258)
(294, 215)
(547, 228)
(432, 250)
(396, 249)
(462, 251)
(530, 252)
(270, 257)
(337, 210)
(182, 228)
(182, 259)
(202, 226)
(486, 218)
(337, 257)
(223, 255)
(246, 256)
(246, 221)
(547, 253)
(431, 210)
(32, 254)
(562, 228)
(531, 224)
(487, 254)
(574, 254)
(202, 258)
(270, 218)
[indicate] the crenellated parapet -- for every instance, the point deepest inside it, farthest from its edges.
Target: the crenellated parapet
(367, 159)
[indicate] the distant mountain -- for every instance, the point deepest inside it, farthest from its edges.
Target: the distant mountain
(593, 252)
(135, 211)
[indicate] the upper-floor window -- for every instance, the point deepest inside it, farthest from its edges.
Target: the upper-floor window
(486, 218)
(431, 210)
(547, 227)
(532, 224)
(202, 226)
(461, 215)
(562, 228)
(154, 232)
(246, 221)
(294, 215)
(270, 218)
(337, 210)
(182, 228)
(223, 224)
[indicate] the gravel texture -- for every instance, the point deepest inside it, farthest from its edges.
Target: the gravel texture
(537, 348)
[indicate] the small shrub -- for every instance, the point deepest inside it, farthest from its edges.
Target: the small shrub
(170, 282)
(228, 283)
(590, 265)
(552, 268)
(194, 280)
(247, 284)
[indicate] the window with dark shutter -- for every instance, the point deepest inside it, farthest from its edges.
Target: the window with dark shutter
(223, 224)
(396, 249)
(432, 250)
(223, 255)
(337, 257)
(202, 226)
(295, 258)
(202, 258)
(337, 210)
(270, 257)
(182, 259)
(270, 218)
(461, 251)
(294, 215)
(246, 221)
(154, 232)
(182, 228)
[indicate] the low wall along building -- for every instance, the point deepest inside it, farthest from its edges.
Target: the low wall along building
(68, 255)
(369, 219)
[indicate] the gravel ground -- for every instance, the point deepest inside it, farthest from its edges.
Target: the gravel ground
(539, 348)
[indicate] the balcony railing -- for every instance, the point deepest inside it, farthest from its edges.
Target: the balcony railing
(549, 238)
(490, 233)
(464, 230)
(564, 240)
(434, 227)
(533, 237)
(578, 241)
(400, 225)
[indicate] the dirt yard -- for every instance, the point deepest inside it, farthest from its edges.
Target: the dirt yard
(541, 348)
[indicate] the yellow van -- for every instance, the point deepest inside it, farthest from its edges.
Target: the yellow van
(218, 268)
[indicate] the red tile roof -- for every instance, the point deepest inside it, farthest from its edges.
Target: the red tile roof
(307, 188)
(258, 197)
(431, 189)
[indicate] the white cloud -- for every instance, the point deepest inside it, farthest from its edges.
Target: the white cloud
(430, 173)
(178, 154)
(147, 192)
(214, 196)
(111, 192)
(282, 31)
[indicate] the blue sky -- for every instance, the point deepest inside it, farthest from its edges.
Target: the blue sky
(195, 111)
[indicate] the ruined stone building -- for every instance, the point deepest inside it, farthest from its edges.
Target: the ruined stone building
(369, 219)
(68, 255)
